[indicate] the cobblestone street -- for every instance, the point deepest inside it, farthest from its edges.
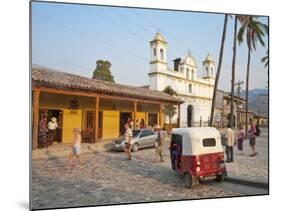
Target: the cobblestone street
(108, 178)
(251, 168)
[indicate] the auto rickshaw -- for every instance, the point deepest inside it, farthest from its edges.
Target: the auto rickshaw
(197, 153)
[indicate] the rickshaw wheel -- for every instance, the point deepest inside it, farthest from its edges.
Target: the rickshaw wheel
(221, 177)
(188, 180)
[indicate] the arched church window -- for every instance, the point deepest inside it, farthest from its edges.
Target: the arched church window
(162, 54)
(190, 88)
(193, 75)
(187, 73)
(212, 71)
(154, 51)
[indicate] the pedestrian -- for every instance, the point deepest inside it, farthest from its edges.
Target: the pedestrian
(52, 126)
(43, 132)
(174, 155)
(137, 124)
(240, 138)
(128, 140)
(130, 122)
(258, 131)
(229, 144)
(159, 142)
(142, 123)
(76, 147)
(252, 136)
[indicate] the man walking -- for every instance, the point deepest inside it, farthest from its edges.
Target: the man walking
(159, 143)
(128, 140)
(229, 144)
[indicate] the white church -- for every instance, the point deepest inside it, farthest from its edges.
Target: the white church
(196, 91)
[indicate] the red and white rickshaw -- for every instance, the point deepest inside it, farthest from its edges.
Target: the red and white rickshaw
(197, 153)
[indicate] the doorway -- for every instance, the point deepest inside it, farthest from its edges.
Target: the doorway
(152, 119)
(123, 119)
(189, 115)
(58, 114)
(88, 132)
(233, 119)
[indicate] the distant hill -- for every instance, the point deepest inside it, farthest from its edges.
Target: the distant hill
(254, 93)
(258, 100)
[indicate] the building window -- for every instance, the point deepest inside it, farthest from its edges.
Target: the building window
(154, 51)
(162, 54)
(190, 88)
(212, 71)
(193, 74)
(187, 73)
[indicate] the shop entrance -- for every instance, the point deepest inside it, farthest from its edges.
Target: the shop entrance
(152, 119)
(58, 114)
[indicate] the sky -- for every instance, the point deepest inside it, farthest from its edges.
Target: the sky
(72, 37)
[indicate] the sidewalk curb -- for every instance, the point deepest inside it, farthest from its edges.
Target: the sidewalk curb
(251, 183)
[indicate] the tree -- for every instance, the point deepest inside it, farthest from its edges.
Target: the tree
(102, 71)
(170, 110)
(254, 32)
(233, 73)
(218, 71)
(264, 60)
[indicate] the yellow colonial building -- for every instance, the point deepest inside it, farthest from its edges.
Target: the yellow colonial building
(98, 108)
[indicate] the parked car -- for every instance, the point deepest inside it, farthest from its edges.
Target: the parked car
(142, 138)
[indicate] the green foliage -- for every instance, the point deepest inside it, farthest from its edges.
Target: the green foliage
(170, 110)
(264, 60)
(102, 71)
(253, 30)
(169, 90)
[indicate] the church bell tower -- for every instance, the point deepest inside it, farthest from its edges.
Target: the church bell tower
(158, 59)
(209, 67)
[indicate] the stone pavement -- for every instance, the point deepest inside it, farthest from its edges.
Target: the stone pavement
(251, 168)
(108, 178)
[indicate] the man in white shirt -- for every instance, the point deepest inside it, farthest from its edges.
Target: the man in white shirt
(230, 135)
(52, 126)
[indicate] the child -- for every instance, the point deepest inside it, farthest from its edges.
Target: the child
(240, 138)
(76, 147)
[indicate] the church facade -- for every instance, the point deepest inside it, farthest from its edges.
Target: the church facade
(196, 91)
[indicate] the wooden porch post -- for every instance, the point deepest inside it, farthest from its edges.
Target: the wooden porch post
(135, 113)
(179, 115)
(35, 114)
(161, 115)
(96, 119)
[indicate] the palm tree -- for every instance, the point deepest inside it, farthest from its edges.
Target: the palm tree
(264, 60)
(233, 72)
(254, 31)
(218, 71)
(170, 110)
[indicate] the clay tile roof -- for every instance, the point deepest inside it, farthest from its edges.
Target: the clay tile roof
(48, 78)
